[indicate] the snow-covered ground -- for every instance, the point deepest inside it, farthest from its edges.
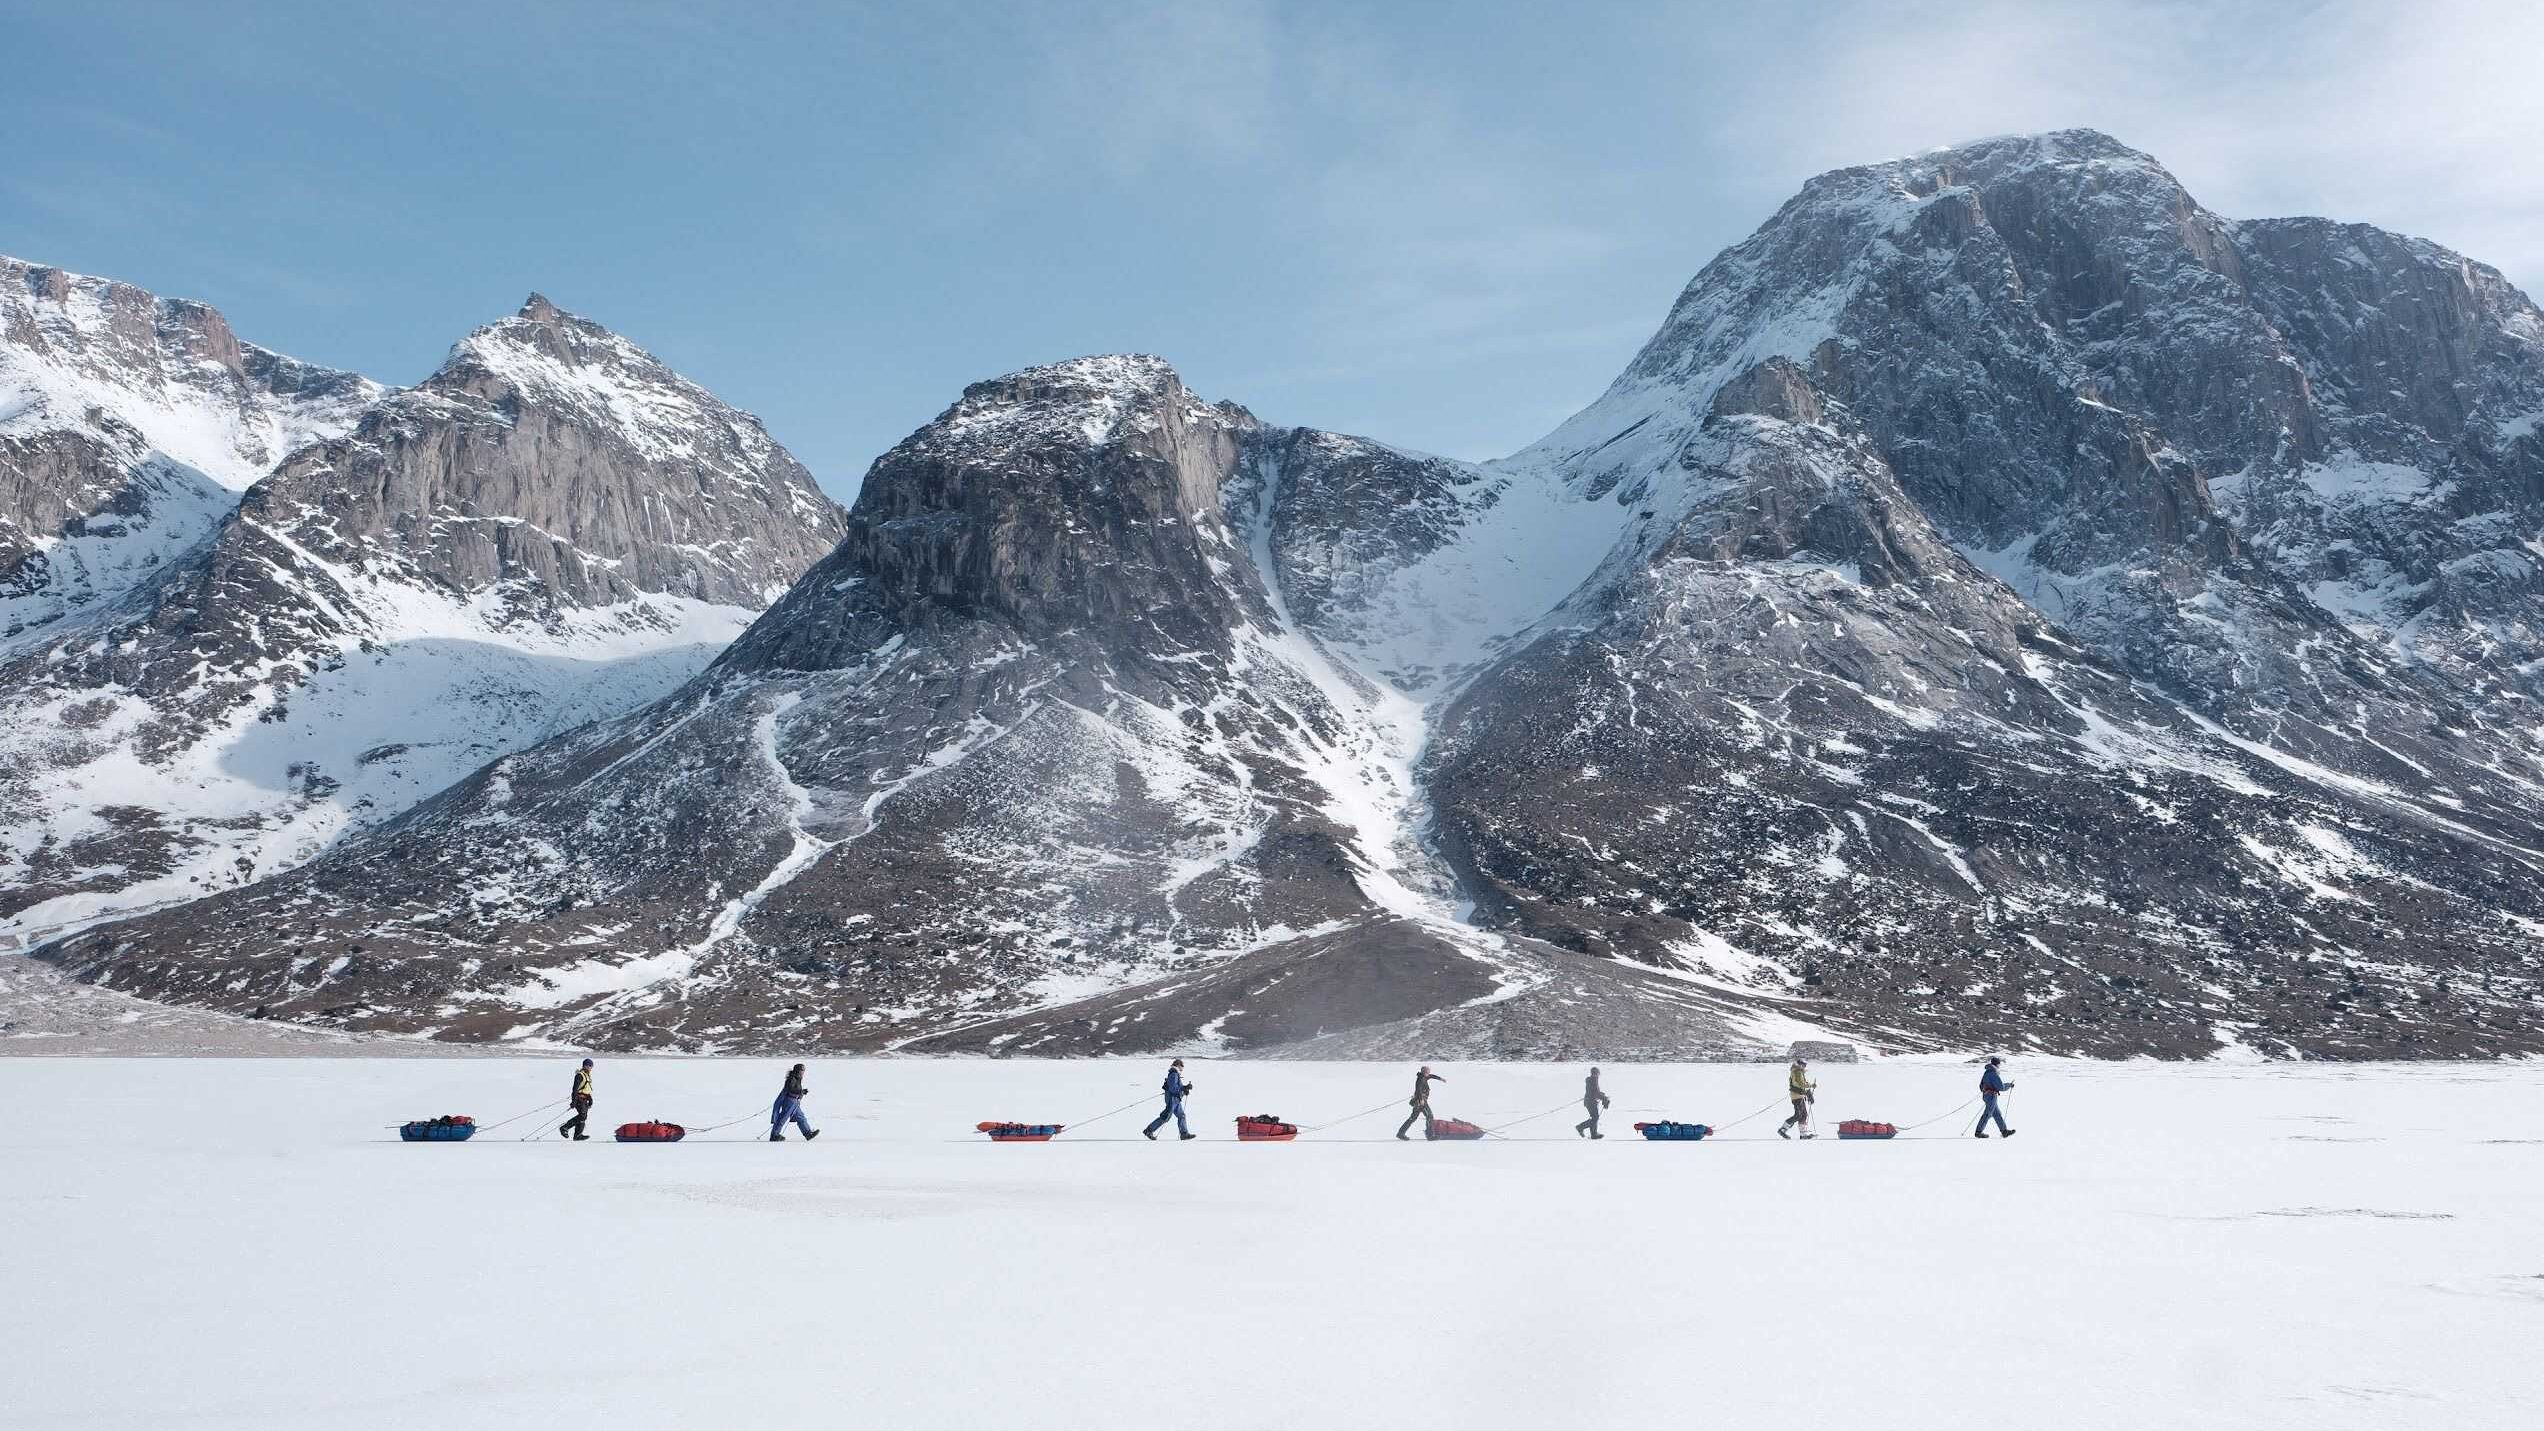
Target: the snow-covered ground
(242, 1243)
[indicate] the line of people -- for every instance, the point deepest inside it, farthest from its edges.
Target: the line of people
(788, 1107)
(1799, 1086)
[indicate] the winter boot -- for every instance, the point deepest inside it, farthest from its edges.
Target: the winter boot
(1149, 1133)
(582, 1138)
(811, 1134)
(777, 1137)
(1981, 1133)
(1785, 1131)
(1598, 1135)
(2009, 1132)
(1401, 1138)
(1807, 1133)
(1186, 1137)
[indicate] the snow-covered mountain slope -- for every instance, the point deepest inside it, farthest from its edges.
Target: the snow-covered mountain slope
(1997, 607)
(1808, 752)
(1036, 730)
(551, 530)
(129, 424)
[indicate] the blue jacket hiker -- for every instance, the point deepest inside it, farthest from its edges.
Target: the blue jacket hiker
(1992, 1083)
(789, 1107)
(1174, 1088)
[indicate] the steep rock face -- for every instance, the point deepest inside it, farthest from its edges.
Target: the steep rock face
(2005, 604)
(129, 423)
(552, 529)
(1807, 751)
(1035, 728)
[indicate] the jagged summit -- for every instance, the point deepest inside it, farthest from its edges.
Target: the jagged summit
(2005, 604)
(386, 589)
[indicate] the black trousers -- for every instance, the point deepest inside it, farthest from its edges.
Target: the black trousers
(582, 1114)
(1591, 1123)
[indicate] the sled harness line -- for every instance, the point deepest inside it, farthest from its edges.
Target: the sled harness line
(1351, 1118)
(517, 1117)
(1496, 1130)
(1745, 1117)
(1100, 1117)
(1939, 1117)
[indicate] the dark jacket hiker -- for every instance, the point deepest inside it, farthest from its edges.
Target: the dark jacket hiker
(1991, 1083)
(1174, 1088)
(789, 1107)
(1421, 1100)
(1593, 1098)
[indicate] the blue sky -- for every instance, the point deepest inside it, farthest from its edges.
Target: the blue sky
(1442, 225)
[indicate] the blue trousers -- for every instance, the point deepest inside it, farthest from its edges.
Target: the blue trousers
(1991, 1111)
(1174, 1109)
(784, 1109)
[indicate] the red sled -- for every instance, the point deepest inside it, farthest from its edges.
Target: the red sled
(656, 1131)
(1865, 1128)
(1452, 1130)
(1020, 1132)
(1264, 1128)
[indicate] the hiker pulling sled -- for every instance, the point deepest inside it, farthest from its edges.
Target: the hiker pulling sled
(1421, 1104)
(580, 1100)
(1991, 1083)
(1175, 1088)
(1593, 1098)
(789, 1108)
(1804, 1091)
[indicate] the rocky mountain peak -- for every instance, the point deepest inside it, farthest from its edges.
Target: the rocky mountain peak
(1073, 496)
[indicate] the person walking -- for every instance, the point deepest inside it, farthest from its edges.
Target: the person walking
(789, 1107)
(1991, 1083)
(1799, 1086)
(580, 1100)
(1592, 1100)
(1174, 1088)
(1422, 1081)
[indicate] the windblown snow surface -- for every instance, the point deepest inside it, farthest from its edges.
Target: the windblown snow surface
(243, 1243)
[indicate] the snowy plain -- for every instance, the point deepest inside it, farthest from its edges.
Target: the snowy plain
(242, 1243)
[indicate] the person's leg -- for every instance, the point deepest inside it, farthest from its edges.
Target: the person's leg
(795, 1111)
(1996, 1111)
(1159, 1121)
(1181, 1128)
(1407, 1124)
(1594, 1120)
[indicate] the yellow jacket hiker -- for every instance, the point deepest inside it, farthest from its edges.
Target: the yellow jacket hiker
(581, 1102)
(1799, 1086)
